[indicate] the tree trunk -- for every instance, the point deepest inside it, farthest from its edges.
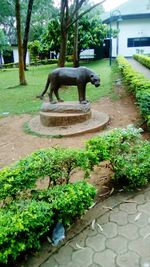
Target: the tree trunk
(20, 49)
(26, 33)
(64, 17)
(75, 48)
(63, 49)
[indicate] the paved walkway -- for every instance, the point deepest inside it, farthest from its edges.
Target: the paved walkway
(118, 238)
(139, 67)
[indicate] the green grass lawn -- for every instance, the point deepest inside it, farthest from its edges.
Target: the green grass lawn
(16, 99)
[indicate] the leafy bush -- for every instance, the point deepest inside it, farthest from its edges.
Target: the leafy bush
(132, 167)
(22, 225)
(24, 222)
(138, 85)
(128, 154)
(57, 163)
(143, 59)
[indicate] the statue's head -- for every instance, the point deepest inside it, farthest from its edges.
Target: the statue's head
(95, 79)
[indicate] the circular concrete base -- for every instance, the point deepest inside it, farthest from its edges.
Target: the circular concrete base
(54, 119)
(97, 122)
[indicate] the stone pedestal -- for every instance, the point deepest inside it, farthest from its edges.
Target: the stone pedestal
(64, 113)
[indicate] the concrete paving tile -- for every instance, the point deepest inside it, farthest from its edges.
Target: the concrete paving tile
(140, 199)
(79, 239)
(117, 244)
(97, 243)
(145, 231)
(140, 219)
(83, 257)
(129, 231)
(140, 246)
(63, 256)
(145, 262)
(110, 229)
(103, 219)
(147, 195)
(119, 217)
(70, 264)
(144, 208)
(105, 258)
(129, 259)
(130, 208)
(51, 262)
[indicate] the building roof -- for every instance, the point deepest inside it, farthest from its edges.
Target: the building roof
(130, 9)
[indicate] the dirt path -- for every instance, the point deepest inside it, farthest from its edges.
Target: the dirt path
(16, 144)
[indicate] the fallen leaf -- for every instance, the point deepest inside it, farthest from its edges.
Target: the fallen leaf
(138, 216)
(100, 227)
(93, 225)
(78, 246)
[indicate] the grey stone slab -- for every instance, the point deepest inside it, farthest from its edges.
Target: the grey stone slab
(70, 264)
(51, 262)
(129, 231)
(63, 256)
(140, 219)
(78, 240)
(117, 244)
(129, 259)
(119, 217)
(110, 229)
(95, 265)
(144, 207)
(145, 262)
(147, 195)
(105, 258)
(103, 219)
(97, 242)
(140, 246)
(140, 199)
(130, 208)
(83, 257)
(145, 231)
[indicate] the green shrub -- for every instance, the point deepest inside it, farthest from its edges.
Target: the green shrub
(24, 222)
(128, 154)
(138, 85)
(143, 59)
(132, 167)
(57, 163)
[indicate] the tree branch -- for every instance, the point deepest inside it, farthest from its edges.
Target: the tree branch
(83, 13)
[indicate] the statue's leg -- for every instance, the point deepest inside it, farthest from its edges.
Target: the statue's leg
(51, 95)
(82, 92)
(57, 95)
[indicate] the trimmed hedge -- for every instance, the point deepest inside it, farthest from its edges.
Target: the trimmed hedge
(138, 85)
(143, 59)
(57, 163)
(128, 154)
(24, 222)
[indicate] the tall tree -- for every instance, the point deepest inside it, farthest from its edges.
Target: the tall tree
(20, 48)
(68, 16)
(26, 32)
(64, 21)
(76, 33)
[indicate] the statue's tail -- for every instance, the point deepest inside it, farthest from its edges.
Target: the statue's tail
(45, 89)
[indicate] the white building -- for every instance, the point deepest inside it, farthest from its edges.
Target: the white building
(133, 21)
(16, 57)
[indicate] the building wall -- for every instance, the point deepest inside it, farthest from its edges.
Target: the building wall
(16, 59)
(133, 28)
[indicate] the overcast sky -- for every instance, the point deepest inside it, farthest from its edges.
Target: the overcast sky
(110, 4)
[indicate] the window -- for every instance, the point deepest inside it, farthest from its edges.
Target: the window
(136, 42)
